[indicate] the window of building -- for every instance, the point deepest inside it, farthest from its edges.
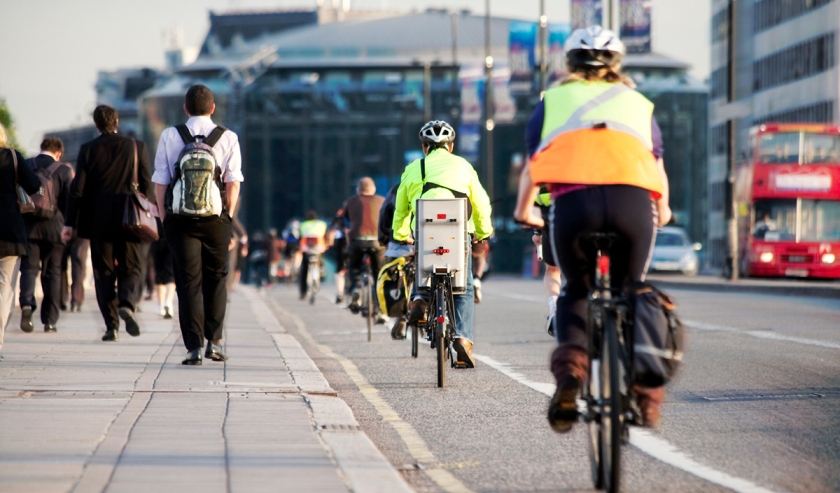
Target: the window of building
(720, 25)
(720, 140)
(793, 63)
(769, 13)
(822, 112)
(720, 82)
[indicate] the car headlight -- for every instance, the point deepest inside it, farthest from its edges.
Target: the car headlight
(766, 257)
(828, 258)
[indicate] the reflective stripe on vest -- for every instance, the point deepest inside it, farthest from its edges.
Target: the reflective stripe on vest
(596, 105)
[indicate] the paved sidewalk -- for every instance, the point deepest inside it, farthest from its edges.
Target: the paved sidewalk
(787, 286)
(81, 415)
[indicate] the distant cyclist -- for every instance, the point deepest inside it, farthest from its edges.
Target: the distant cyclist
(552, 279)
(339, 249)
(594, 142)
(362, 213)
(313, 241)
(444, 175)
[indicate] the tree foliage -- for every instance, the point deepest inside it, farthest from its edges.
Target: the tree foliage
(8, 123)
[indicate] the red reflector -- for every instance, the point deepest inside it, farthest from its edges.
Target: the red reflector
(441, 216)
(604, 265)
(441, 320)
(440, 251)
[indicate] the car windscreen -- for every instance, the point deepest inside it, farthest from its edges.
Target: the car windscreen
(670, 239)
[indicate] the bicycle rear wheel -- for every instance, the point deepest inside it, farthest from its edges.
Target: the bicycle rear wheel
(611, 408)
(594, 397)
(440, 334)
(314, 282)
(415, 343)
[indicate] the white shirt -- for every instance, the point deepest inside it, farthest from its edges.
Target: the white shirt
(170, 145)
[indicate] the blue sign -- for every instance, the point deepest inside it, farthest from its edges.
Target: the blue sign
(523, 43)
(587, 13)
(635, 25)
(469, 137)
(557, 35)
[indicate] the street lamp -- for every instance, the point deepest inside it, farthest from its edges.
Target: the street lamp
(489, 125)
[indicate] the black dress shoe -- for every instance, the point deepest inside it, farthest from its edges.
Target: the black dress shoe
(214, 352)
(193, 357)
(63, 307)
(111, 335)
(75, 307)
(26, 319)
(50, 328)
(131, 325)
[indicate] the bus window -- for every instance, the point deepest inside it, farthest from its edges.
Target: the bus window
(775, 220)
(820, 220)
(781, 148)
(821, 148)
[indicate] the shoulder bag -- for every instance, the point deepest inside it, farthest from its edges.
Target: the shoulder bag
(24, 201)
(141, 214)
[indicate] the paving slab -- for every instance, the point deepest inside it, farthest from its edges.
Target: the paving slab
(81, 415)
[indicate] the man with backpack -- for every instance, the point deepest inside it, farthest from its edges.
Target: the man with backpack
(43, 227)
(198, 169)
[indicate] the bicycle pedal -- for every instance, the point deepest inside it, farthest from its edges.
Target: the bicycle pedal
(460, 364)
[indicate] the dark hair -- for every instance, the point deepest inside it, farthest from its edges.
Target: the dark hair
(431, 146)
(105, 118)
(310, 215)
(52, 144)
(199, 100)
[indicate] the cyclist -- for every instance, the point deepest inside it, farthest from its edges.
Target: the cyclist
(313, 240)
(552, 279)
(339, 249)
(446, 176)
(362, 212)
(599, 152)
(394, 250)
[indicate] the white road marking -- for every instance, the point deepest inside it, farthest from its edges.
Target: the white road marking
(644, 440)
(761, 334)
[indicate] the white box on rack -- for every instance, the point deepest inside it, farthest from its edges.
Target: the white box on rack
(442, 241)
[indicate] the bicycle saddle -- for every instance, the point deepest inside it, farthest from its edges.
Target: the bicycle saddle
(601, 240)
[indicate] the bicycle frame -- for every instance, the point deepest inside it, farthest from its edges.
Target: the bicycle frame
(313, 276)
(439, 325)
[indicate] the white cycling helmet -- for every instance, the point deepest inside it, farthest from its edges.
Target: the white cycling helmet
(437, 131)
(595, 47)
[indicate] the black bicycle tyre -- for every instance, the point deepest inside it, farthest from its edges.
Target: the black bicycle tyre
(368, 302)
(611, 408)
(595, 452)
(440, 334)
(415, 343)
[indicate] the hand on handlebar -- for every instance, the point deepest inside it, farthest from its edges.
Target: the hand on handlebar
(529, 220)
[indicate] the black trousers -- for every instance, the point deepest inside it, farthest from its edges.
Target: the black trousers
(117, 271)
(75, 254)
(44, 257)
(621, 209)
(356, 251)
(199, 257)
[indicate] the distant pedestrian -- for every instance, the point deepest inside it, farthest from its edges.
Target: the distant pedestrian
(43, 229)
(196, 218)
(104, 174)
(73, 287)
(13, 171)
(164, 276)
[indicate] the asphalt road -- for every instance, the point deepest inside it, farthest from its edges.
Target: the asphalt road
(756, 407)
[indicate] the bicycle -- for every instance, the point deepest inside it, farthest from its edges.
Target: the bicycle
(313, 276)
(610, 403)
(438, 324)
(366, 298)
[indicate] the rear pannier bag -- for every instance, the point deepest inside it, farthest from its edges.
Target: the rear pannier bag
(658, 336)
(392, 288)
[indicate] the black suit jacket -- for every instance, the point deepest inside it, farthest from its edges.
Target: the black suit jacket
(104, 172)
(12, 229)
(50, 229)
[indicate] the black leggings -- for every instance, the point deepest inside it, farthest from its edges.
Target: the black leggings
(622, 209)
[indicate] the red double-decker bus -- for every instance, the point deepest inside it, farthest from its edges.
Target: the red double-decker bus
(788, 202)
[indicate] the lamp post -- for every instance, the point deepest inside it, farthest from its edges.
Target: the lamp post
(543, 38)
(488, 102)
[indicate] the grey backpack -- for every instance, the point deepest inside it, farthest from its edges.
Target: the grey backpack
(196, 189)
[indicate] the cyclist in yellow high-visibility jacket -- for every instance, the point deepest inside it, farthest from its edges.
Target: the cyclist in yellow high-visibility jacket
(442, 174)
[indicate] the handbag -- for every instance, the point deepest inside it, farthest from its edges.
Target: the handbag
(140, 217)
(25, 203)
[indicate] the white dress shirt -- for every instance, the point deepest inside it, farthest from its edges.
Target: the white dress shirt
(170, 145)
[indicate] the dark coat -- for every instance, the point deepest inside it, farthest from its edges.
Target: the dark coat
(12, 230)
(104, 172)
(50, 229)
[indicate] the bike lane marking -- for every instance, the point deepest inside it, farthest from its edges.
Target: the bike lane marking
(761, 334)
(652, 445)
(414, 443)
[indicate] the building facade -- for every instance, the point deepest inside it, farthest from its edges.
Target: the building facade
(772, 61)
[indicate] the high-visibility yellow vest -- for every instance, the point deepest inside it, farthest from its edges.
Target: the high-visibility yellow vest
(596, 133)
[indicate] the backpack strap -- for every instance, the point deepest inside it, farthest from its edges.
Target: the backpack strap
(430, 186)
(214, 136)
(185, 134)
(423, 170)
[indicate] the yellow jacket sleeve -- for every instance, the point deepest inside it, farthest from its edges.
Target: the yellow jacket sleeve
(401, 225)
(482, 210)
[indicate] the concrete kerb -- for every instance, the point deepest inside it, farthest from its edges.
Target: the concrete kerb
(362, 465)
(772, 287)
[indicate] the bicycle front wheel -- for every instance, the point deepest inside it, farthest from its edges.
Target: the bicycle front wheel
(415, 343)
(611, 404)
(441, 342)
(314, 282)
(369, 305)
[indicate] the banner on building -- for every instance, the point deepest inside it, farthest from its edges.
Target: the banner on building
(635, 25)
(504, 104)
(471, 79)
(557, 35)
(587, 13)
(522, 47)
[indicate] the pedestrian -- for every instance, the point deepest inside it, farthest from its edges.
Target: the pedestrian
(13, 171)
(197, 218)
(73, 288)
(43, 229)
(164, 276)
(104, 175)
(274, 255)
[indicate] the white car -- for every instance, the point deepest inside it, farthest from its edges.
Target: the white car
(674, 252)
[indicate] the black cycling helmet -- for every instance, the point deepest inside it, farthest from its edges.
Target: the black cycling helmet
(437, 132)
